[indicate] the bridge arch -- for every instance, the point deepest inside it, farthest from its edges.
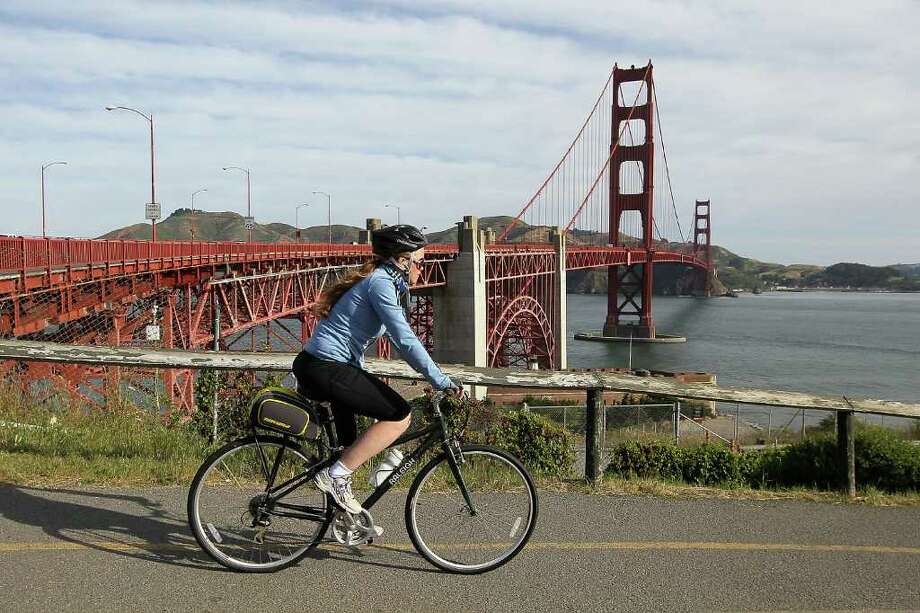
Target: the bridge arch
(520, 332)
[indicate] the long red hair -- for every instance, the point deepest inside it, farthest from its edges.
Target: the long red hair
(327, 299)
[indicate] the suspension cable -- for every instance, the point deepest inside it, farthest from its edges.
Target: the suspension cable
(667, 170)
(613, 151)
(564, 156)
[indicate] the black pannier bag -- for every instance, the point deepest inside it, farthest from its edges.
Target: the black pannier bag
(283, 410)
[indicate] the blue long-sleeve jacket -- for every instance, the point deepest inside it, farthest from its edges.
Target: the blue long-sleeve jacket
(367, 310)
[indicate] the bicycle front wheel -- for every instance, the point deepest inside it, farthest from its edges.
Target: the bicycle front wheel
(477, 530)
(236, 523)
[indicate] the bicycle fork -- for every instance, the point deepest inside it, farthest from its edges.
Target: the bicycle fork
(453, 453)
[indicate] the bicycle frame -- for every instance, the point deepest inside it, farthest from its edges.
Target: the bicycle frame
(432, 435)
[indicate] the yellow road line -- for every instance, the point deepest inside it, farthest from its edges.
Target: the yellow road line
(561, 546)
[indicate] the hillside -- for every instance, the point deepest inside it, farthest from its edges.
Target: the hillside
(183, 224)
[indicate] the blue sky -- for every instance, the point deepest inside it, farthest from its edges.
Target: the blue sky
(799, 120)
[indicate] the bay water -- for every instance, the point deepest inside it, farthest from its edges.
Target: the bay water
(837, 343)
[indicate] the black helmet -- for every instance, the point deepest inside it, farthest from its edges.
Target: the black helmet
(397, 239)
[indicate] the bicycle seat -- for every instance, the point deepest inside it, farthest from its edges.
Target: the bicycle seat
(326, 413)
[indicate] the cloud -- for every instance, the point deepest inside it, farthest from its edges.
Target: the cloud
(797, 120)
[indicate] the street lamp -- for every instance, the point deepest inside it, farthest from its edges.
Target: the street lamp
(203, 189)
(328, 213)
(393, 206)
(297, 219)
(153, 213)
(44, 166)
(248, 198)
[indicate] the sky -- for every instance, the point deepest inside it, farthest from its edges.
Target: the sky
(800, 121)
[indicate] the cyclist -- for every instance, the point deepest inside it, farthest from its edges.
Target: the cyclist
(354, 313)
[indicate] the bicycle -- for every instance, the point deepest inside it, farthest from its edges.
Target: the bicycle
(252, 507)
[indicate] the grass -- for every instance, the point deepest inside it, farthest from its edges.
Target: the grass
(114, 446)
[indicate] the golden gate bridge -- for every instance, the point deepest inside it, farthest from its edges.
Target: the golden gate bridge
(493, 298)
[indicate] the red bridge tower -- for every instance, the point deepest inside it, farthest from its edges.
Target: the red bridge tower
(629, 297)
(702, 242)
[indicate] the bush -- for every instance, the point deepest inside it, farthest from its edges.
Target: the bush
(883, 461)
(234, 391)
(544, 447)
(712, 465)
(655, 460)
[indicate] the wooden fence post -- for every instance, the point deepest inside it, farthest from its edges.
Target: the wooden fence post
(846, 452)
(594, 435)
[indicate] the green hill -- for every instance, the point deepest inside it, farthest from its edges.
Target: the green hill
(184, 224)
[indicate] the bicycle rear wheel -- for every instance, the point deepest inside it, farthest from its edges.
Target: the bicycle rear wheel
(455, 537)
(234, 522)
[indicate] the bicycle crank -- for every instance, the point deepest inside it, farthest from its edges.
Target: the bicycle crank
(353, 530)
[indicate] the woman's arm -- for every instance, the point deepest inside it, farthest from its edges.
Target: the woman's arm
(384, 299)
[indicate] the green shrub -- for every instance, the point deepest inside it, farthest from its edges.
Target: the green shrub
(647, 460)
(544, 447)
(711, 464)
(883, 461)
(234, 391)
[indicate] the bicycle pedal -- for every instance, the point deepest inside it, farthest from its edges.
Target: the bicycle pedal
(378, 531)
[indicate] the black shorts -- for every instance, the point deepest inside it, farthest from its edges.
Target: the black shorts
(351, 391)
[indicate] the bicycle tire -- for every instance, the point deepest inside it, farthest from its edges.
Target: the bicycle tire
(448, 498)
(206, 532)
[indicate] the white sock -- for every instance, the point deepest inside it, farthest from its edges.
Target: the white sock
(339, 470)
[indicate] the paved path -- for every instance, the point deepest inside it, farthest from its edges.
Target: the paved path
(119, 549)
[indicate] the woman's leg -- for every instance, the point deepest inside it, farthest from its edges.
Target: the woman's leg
(374, 440)
(368, 395)
(354, 391)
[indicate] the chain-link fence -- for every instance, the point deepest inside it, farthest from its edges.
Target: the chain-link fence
(733, 424)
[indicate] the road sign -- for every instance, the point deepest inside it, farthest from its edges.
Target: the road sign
(152, 211)
(152, 332)
(249, 223)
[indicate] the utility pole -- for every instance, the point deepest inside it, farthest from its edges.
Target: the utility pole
(153, 209)
(328, 215)
(249, 220)
(44, 166)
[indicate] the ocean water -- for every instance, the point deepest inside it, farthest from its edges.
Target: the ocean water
(855, 344)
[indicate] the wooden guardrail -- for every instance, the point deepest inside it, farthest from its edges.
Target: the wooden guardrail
(594, 383)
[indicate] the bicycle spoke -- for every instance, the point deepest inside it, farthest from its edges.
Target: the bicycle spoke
(448, 534)
(234, 522)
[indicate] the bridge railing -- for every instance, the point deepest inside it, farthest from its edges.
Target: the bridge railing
(20, 254)
(593, 383)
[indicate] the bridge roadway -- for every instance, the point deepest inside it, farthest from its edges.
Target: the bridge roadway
(129, 549)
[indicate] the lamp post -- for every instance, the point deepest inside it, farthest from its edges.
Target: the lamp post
(44, 166)
(297, 219)
(153, 191)
(328, 214)
(393, 206)
(203, 189)
(248, 198)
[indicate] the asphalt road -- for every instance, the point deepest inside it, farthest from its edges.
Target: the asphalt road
(118, 549)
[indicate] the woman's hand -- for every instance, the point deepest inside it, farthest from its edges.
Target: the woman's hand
(456, 388)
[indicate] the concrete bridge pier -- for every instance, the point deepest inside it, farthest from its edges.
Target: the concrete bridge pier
(557, 238)
(460, 330)
(371, 224)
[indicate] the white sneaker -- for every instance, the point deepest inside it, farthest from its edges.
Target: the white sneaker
(339, 489)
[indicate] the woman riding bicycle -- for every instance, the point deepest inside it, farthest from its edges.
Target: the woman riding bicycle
(354, 313)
